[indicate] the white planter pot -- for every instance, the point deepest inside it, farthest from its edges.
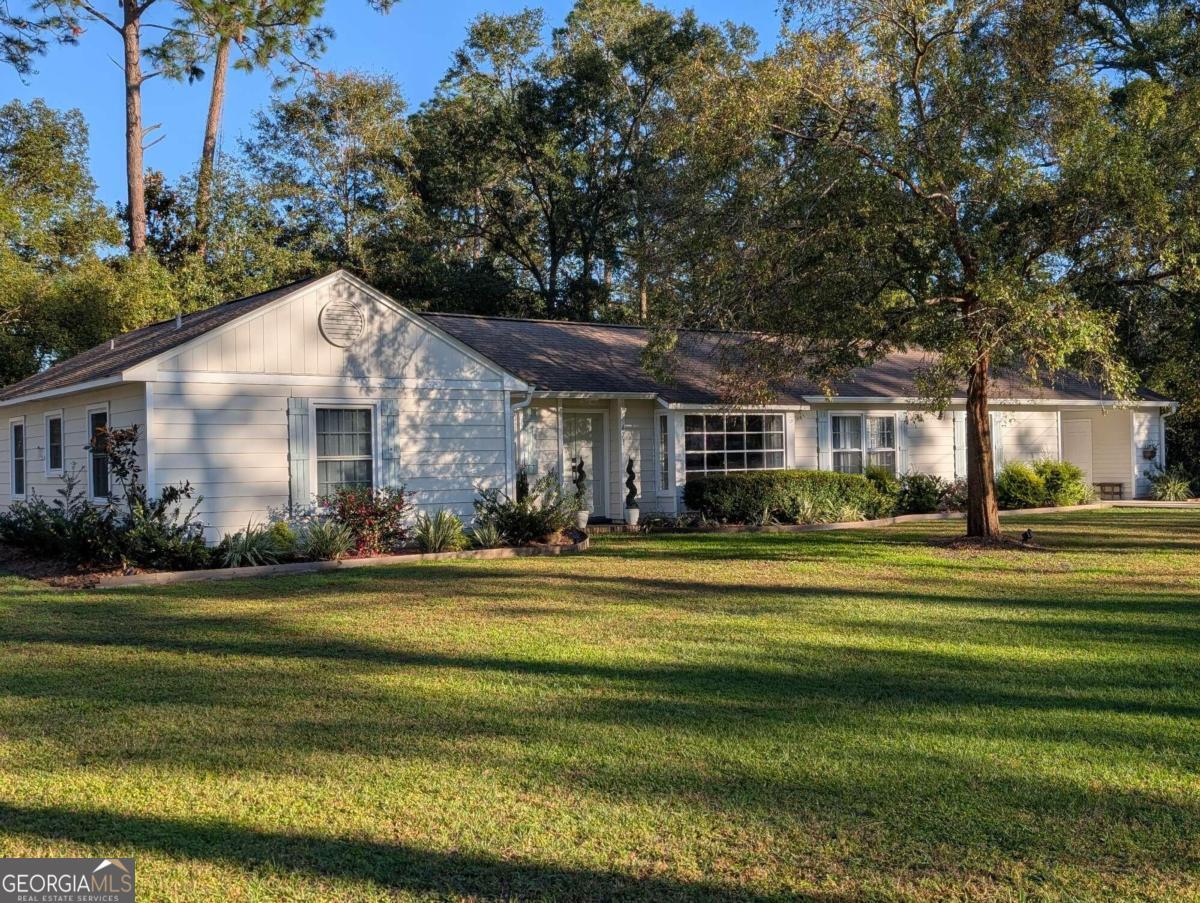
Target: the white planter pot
(631, 516)
(581, 519)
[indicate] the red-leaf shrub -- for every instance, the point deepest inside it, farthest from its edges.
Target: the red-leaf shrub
(376, 517)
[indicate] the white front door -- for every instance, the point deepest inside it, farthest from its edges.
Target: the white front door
(1077, 445)
(583, 437)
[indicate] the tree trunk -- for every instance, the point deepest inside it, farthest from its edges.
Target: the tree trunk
(208, 152)
(983, 515)
(134, 135)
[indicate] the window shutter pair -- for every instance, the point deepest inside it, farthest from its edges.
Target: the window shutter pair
(301, 492)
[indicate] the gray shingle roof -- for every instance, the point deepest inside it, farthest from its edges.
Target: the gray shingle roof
(552, 355)
(565, 356)
(132, 348)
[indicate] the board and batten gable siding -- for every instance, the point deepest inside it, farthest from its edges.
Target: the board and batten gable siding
(286, 339)
(220, 409)
(126, 407)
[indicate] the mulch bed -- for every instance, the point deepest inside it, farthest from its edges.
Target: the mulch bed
(65, 575)
(57, 572)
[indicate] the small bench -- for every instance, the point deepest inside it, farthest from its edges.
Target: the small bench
(1110, 492)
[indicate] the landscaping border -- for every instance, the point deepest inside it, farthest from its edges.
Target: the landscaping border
(161, 578)
(889, 521)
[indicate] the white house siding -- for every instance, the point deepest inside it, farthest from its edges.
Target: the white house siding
(804, 434)
(220, 406)
(1112, 458)
(231, 442)
(1148, 431)
(1026, 435)
(286, 339)
(126, 407)
(930, 441)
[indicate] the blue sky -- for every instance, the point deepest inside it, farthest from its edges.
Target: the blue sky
(413, 44)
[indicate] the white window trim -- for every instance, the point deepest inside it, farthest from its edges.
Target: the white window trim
(661, 436)
(789, 436)
(865, 449)
(87, 431)
(894, 448)
(56, 414)
(12, 458)
(861, 449)
(343, 404)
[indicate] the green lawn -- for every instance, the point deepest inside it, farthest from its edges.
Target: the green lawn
(841, 716)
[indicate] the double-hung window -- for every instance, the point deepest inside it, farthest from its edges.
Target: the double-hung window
(345, 450)
(881, 442)
(54, 444)
(98, 483)
(846, 441)
(856, 440)
(16, 440)
(719, 443)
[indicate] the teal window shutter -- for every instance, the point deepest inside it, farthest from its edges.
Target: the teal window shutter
(300, 492)
(824, 458)
(960, 445)
(389, 443)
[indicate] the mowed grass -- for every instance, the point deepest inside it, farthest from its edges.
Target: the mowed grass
(837, 716)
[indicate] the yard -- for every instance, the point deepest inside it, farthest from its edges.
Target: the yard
(851, 715)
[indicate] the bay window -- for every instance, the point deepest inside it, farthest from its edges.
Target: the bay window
(345, 450)
(720, 443)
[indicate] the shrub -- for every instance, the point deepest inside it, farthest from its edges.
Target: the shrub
(441, 532)
(800, 496)
(1172, 484)
(919, 493)
(486, 535)
(883, 479)
(255, 545)
(1020, 486)
(1065, 483)
(544, 512)
(954, 496)
(285, 538)
(376, 517)
(130, 528)
(324, 541)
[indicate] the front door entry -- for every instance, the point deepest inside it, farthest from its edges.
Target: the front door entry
(583, 437)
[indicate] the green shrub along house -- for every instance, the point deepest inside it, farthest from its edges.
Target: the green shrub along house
(273, 400)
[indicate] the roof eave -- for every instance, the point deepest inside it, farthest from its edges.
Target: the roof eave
(66, 390)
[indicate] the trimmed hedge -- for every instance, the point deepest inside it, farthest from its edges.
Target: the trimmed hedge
(792, 496)
(1042, 484)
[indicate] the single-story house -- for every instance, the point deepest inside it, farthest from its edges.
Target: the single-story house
(275, 399)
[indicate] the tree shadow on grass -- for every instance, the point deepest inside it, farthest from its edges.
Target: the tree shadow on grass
(397, 867)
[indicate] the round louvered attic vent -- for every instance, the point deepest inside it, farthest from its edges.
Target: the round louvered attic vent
(342, 322)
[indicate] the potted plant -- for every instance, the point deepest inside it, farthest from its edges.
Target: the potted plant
(581, 513)
(631, 502)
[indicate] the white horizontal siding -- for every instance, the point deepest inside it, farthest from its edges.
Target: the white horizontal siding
(126, 405)
(930, 443)
(1029, 435)
(231, 442)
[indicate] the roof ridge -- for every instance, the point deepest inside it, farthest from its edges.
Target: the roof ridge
(548, 320)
